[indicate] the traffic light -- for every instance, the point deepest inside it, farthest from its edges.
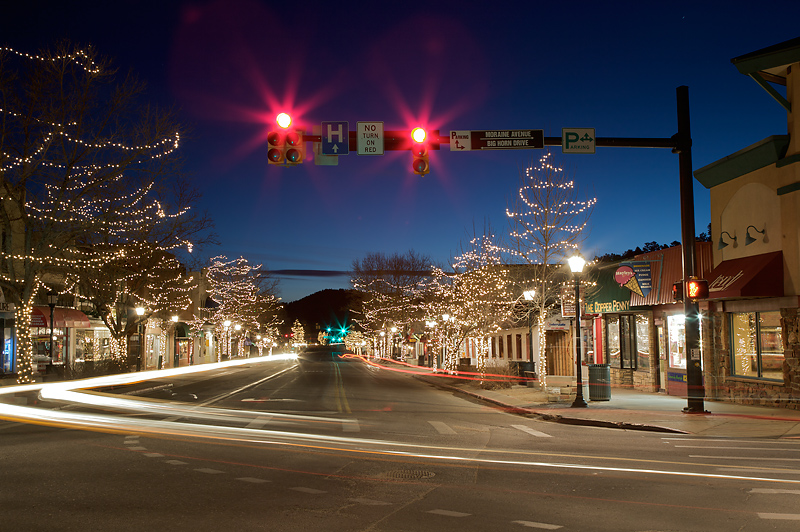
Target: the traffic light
(697, 289)
(419, 151)
(276, 141)
(285, 145)
(677, 291)
(295, 147)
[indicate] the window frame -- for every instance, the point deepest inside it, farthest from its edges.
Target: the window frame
(758, 347)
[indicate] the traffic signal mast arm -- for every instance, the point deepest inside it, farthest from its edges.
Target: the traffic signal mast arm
(400, 140)
(392, 140)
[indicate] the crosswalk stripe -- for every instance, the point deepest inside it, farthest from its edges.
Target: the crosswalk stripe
(531, 431)
(784, 517)
(443, 428)
(350, 425)
(534, 524)
(259, 422)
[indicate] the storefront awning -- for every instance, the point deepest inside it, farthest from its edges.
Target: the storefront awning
(62, 317)
(754, 276)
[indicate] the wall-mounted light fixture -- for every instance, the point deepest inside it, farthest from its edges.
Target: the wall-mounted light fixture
(749, 239)
(723, 244)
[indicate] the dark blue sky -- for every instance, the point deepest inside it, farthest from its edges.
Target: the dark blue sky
(231, 66)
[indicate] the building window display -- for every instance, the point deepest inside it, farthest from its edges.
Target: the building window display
(757, 345)
(676, 334)
(642, 342)
(41, 344)
(612, 341)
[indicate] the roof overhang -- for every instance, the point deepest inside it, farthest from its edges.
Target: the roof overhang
(747, 277)
(62, 317)
(770, 65)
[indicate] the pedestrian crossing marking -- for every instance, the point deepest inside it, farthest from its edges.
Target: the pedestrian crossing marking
(532, 432)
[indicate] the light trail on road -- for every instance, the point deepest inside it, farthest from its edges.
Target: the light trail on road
(77, 393)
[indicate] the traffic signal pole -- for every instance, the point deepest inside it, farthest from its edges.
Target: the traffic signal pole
(691, 310)
(680, 143)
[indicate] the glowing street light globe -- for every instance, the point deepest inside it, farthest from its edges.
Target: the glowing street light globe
(418, 134)
(576, 263)
(284, 120)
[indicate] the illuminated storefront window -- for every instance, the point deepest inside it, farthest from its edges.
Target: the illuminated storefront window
(676, 334)
(41, 344)
(612, 341)
(757, 345)
(642, 342)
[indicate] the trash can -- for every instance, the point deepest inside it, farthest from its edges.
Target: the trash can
(527, 370)
(599, 382)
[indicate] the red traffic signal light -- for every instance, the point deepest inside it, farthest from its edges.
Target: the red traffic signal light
(286, 146)
(697, 289)
(419, 151)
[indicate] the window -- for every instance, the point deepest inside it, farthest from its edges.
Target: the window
(676, 333)
(642, 342)
(612, 341)
(621, 341)
(757, 345)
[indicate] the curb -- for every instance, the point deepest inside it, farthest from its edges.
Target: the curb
(552, 417)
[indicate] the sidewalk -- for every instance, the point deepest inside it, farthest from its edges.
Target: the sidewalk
(634, 410)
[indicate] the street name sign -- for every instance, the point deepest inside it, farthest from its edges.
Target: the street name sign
(577, 140)
(335, 138)
(369, 138)
(507, 139)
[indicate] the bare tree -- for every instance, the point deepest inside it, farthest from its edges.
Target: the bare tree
(547, 224)
(392, 287)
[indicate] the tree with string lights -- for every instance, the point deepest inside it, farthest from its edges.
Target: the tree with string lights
(73, 143)
(298, 333)
(547, 224)
(474, 300)
(245, 295)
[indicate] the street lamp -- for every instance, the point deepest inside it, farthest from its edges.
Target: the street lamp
(52, 300)
(576, 264)
(140, 328)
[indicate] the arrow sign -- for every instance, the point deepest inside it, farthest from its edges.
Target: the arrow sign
(335, 138)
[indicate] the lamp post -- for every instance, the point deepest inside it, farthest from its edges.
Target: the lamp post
(140, 329)
(52, 299)
(176, 354)
(576, 264)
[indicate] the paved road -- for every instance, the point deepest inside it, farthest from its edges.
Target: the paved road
(343, 445)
